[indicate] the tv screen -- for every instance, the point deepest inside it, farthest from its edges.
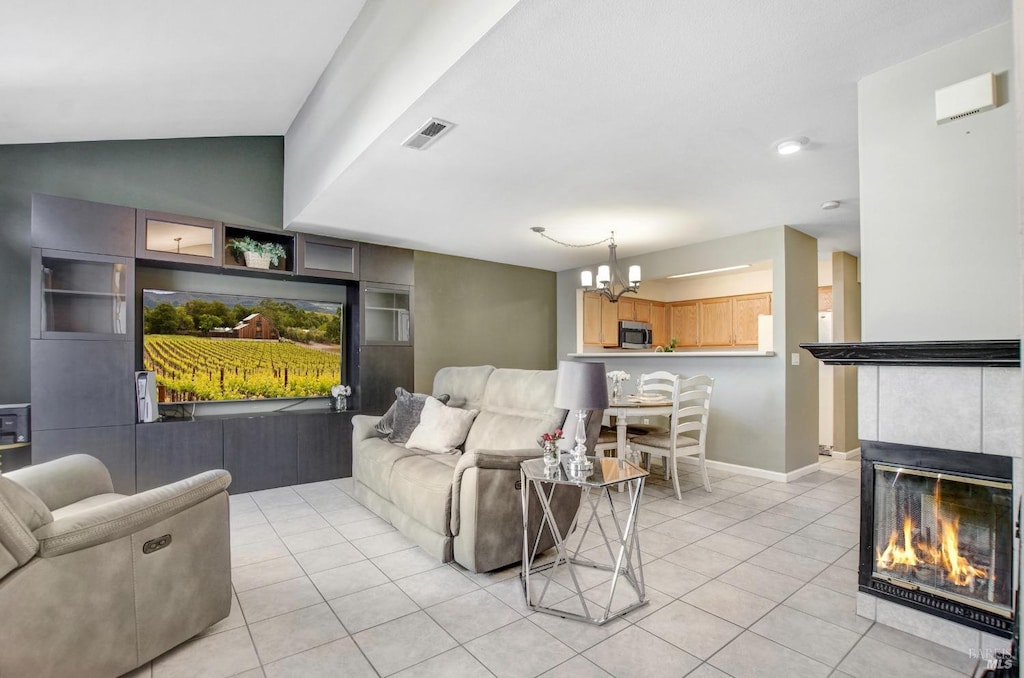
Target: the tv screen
(205, 346)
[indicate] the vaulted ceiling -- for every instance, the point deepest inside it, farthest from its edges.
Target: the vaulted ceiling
(654, 119)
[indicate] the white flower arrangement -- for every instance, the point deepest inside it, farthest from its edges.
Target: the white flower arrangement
(341, 390)
(619, 376)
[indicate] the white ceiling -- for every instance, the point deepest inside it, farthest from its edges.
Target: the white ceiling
(140, 69)
(656, 119)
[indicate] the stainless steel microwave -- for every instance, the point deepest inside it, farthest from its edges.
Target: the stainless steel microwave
(634, 335)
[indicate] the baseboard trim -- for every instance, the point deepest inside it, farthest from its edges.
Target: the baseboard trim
(849, 455)
(764, 474)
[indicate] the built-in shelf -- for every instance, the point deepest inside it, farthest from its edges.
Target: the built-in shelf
(285, 265)
(386, 314)
(84, 293)
(81, 295)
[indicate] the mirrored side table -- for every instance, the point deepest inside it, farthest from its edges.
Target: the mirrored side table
(545, 580)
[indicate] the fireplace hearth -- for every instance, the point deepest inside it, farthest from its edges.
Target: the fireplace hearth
(937, 532)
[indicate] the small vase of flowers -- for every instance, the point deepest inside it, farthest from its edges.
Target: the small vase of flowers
(339, 397)
(549, 443)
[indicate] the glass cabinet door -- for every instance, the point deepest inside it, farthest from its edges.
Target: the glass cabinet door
(387, 314)
(168, 237)
(83, 295)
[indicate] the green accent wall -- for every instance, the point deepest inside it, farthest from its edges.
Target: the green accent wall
(232, 179)
(471, 312)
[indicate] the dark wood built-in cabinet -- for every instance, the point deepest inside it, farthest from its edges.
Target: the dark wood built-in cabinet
(260, 450)
(326, 257)
(83, 332)
(84, 345)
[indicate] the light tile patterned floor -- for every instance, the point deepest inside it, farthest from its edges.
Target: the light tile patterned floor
(756, 579)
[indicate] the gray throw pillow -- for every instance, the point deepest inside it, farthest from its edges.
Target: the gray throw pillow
(410, 412)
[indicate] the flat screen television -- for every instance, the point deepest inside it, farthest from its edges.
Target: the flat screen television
(204, 346)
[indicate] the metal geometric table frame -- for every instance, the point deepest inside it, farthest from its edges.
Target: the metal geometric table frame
(628, 560)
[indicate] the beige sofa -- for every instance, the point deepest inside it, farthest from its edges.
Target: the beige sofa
(94, 583)
(467, 507)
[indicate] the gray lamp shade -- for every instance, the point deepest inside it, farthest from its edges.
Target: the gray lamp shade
(581, 386)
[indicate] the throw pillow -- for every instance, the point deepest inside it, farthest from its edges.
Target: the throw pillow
(386, 424)
(442, 429)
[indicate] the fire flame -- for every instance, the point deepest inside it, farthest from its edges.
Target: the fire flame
(907, 554)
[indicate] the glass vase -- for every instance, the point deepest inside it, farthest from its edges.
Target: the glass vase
(550, 454)
(339, 403)
(616, 391)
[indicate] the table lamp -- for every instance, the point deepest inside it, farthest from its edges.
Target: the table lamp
(582, 387)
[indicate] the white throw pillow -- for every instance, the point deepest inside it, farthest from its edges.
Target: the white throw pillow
(441, 429)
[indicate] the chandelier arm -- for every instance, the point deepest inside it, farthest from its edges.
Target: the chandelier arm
(565, 244)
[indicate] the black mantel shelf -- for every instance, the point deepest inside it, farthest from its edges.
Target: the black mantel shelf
(989, 353)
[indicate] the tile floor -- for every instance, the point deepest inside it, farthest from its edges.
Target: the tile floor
(755, 579)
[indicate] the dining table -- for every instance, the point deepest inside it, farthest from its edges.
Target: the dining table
(622, 409)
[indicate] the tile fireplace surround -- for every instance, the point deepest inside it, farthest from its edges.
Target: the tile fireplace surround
(948, 395)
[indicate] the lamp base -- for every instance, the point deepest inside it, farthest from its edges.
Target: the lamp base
(578, 464)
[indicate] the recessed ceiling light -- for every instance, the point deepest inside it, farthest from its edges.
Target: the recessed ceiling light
(830, 204)
(710, 270)
(790, 146)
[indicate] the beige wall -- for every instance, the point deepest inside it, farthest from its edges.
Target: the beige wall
(940, 257)
(471, 312)
(799, 316)
(705, 287)
(845, 327)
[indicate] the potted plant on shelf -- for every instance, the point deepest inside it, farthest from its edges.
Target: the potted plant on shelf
(257, 254)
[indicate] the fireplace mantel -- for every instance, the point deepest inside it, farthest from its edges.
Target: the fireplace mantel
(988, 353)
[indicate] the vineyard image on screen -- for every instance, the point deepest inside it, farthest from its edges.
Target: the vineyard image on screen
(206, 346)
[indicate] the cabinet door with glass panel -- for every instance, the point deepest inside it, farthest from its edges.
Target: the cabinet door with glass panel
(82, 296)
(186, 240)
(386, 314)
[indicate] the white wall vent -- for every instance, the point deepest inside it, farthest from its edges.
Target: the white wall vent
(428, 133)
(965, 98)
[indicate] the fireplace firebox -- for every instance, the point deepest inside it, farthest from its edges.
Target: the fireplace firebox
(937, 532)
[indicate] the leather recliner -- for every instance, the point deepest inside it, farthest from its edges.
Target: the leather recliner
(94, 583)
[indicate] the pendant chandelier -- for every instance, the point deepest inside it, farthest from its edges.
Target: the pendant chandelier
(609, 280)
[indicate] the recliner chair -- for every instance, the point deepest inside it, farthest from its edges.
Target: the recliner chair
(94, 583)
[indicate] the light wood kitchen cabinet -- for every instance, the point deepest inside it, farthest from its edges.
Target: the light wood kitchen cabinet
(660, 335)
(609, 323)
(716, 322)
(642, 310)
(635, 310)
(685, 323)
(591, 318)
(721, 321)
(745, 310)
(600, 320)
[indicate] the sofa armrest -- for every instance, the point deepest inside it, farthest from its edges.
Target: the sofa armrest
(498, 459)
(64, 481)
(362, 427)
(128, 515)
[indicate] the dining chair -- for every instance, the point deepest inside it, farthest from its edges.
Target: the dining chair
(660, 383)
(655, 383)
(687, 435)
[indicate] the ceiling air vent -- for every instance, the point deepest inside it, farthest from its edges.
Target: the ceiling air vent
(428, 133)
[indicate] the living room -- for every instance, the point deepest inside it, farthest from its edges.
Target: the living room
(918, 201)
